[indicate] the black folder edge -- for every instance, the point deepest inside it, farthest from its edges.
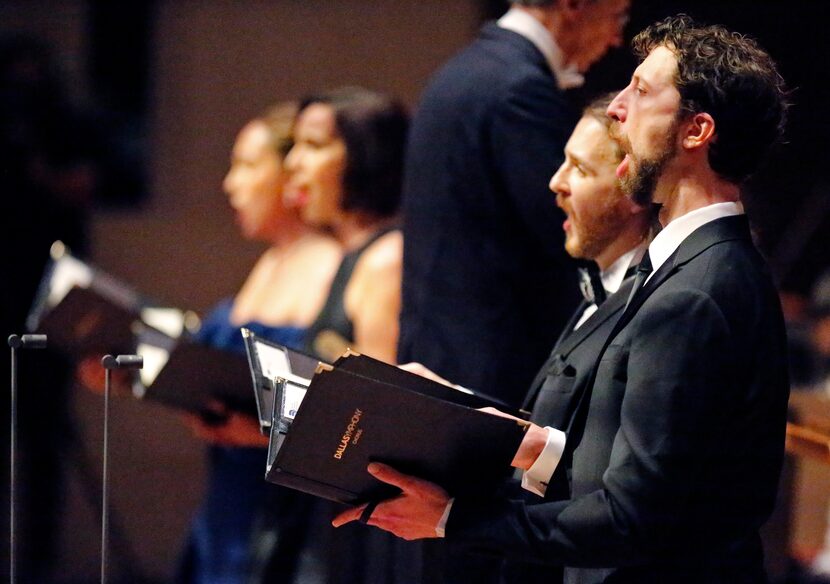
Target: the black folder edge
(147, 335)
(278, 441)
(291, 480)
(260, 383)
(283, 423)
(358, 363)
(121, 296)
(278, 476)
(103, 284)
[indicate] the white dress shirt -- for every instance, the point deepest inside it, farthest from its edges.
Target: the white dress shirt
(669, 239)
(521, 22)
(613, 277)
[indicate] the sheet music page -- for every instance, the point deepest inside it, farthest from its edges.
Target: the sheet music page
(273, 362)
(293, 397)
(170, 321)
(68, 272)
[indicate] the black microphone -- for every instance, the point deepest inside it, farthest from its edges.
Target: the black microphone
(123, 362)
(27, 341)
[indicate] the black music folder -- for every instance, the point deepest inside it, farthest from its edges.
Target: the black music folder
(188, 375)
(360, 410)
(85, 311)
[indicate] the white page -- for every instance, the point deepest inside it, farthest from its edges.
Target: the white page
(293, 397)
(273, 361)
(170, 321)
(154, 359)
(67, 273)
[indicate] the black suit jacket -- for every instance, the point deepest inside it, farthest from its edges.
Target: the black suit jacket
(552, 398)
(487, 284)
(554, 393)
(683, 440)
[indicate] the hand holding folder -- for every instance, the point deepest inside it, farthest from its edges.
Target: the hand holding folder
(421, 509)
(414, 514)
(360, 410)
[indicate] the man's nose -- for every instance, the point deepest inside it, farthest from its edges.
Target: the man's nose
(616, 109)
(557, 184)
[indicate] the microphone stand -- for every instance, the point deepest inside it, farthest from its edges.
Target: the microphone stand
(16, 342)
(109, 362)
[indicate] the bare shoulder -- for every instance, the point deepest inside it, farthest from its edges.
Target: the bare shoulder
(320, 243)
(385, 254)
(324, 247)
(322, 255)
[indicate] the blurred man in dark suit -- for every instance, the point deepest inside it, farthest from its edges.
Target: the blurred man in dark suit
(487, 285)
(610, 233)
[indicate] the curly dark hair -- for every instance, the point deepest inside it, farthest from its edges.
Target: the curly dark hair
(373, 128)
(730, 77)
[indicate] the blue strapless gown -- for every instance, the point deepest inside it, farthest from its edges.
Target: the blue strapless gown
(219, 547)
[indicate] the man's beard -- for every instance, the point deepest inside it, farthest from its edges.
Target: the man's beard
(597, 232)
(639, 186)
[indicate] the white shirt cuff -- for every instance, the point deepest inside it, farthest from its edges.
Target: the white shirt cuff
(442, 523)
(536, 478)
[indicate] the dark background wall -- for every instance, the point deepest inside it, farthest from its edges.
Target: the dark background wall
(789, 203)
(177, 93)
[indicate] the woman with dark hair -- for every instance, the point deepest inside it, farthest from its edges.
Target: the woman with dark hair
(345, 175)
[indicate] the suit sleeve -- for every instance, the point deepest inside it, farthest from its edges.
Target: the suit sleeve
(675, 378)
(530, 126)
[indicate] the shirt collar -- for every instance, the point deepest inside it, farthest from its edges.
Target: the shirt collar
(613, 277)
(521, 22)
(672, 235)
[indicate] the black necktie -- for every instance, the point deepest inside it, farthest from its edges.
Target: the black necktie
(590, 284)
(640, 276)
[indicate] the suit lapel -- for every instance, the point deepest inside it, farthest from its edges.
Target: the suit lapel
(712, 233)
(606, 310)
(530, 397)
(570, 338)
(569, 328)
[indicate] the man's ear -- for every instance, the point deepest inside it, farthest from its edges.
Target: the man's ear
(699, 131)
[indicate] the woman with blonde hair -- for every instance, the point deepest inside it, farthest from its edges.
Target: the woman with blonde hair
(279, 300)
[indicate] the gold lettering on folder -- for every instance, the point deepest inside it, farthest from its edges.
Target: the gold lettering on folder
(351, 430)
